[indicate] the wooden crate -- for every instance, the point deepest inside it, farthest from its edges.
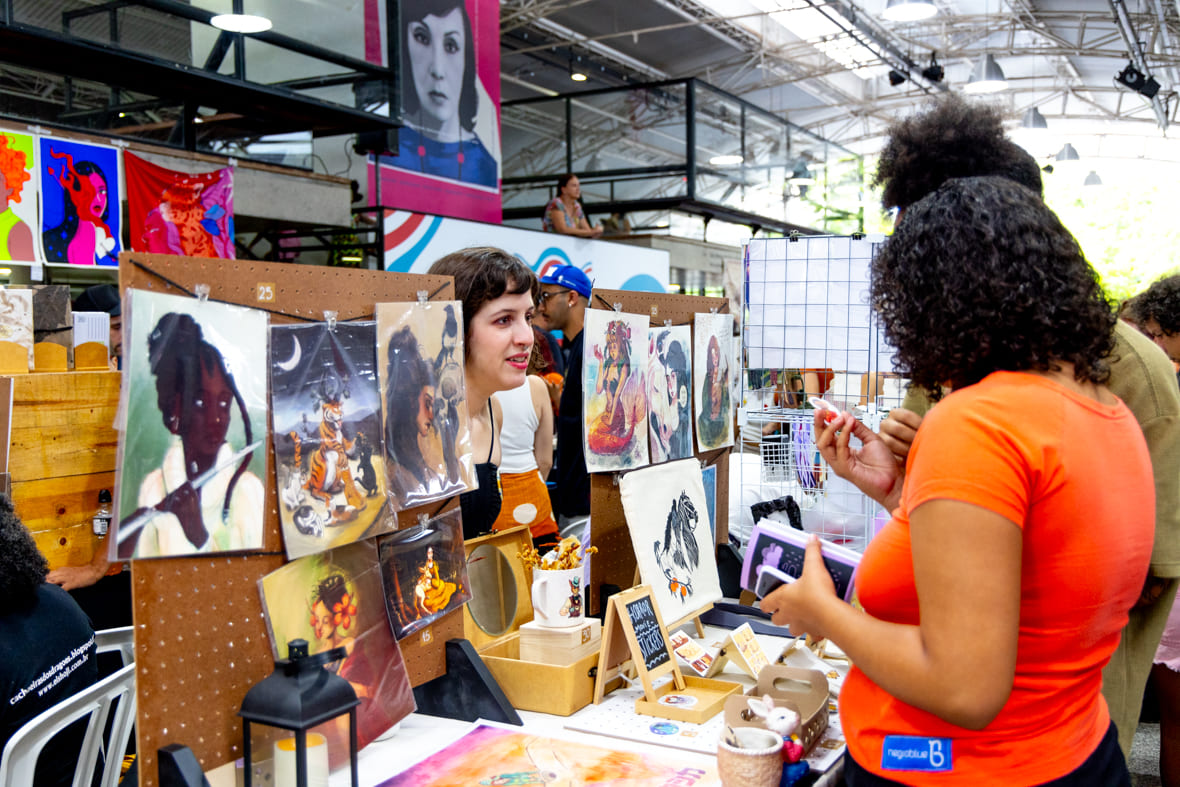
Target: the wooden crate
(61, 454)
(560, 645)
(545, 688)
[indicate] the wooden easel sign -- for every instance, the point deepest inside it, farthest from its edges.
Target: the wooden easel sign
(634, 634)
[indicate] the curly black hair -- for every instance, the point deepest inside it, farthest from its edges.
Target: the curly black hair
(980, 277)
(952, 138)
(1161, 302)
(22, 566)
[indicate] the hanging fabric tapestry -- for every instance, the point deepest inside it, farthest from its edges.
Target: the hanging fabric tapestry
(427, 442)
(18, 198)
(713, 380)
(669, 386)
(80, 202)
(326, 412)
(191, 455)
(333, 600)
(614, 397)
(425, 573)
(172, 212)
(667, 515)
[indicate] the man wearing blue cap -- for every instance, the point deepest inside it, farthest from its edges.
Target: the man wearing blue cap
(565, 294)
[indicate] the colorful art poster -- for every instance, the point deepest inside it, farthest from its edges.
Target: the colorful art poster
(424, 401)
(333, 600)
(496, 756)
(667, 517)
(326, 415)
(713, 380)
(18, 198)
(80, 202)
(424, 569)
(669, 392)
(448, 157)
(709, 478)
(16, 319)
(192, 453)
(171, 212)
(614, 397)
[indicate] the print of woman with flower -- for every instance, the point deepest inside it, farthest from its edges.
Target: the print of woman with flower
(611, 433)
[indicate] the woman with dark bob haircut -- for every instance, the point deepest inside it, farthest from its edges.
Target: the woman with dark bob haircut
(997, 584)
(498, 292)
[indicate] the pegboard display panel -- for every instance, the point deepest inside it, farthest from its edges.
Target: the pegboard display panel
(615, 562)
(186, 605)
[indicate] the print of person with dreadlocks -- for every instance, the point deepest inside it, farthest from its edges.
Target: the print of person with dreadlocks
(202, 497)
(679, 555)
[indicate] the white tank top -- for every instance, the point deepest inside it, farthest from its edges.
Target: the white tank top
(518, 431)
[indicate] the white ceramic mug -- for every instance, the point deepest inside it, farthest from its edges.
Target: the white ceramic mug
(557, 597)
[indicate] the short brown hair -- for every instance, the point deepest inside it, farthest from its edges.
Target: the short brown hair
(482, 274)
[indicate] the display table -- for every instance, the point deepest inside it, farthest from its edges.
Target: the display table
(418, 736)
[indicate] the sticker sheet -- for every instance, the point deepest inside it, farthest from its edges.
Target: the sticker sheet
(424, 401)
(192, 453)
(669, 392)
(614, 397)
(668, 521)
(713, 380)
(333, 600)
(424, 571)
(326, 414)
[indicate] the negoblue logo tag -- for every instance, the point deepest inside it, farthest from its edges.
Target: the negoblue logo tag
(911, 753)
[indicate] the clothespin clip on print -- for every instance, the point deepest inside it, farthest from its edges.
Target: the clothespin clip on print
(617, 307)
(330, 318)
(201, 291)
(668, 323)
(424, 298)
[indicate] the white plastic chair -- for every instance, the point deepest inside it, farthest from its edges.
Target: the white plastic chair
(19, 760)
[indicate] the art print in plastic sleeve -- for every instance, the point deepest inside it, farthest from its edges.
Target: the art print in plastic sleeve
(424, 401)
(192, 453)
(666, 515)
(669, 392)
(425, 573)
(614, 397)
(713, 379)
(16, 319)
(326, 414)
(333, 599)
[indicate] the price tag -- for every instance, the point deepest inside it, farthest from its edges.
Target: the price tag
(265, 291)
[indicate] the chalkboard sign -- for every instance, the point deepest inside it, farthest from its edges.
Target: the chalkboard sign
(649, 635)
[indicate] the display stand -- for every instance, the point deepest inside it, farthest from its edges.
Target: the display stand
(615, 562)
(200, 640)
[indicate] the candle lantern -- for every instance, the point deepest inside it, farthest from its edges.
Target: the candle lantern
(299, 695)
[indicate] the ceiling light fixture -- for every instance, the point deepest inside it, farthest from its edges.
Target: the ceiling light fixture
(577, 76)
(909, 10)
(1068, 153)
(896, 77)
(1033, 119)
(726, 161)
(1092, 179)
(933, 72)
(241, 23)
(986, 77)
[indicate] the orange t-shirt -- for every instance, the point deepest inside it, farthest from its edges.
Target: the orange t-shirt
(1075, 476)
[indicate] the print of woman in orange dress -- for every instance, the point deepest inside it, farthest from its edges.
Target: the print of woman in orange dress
(611, 433)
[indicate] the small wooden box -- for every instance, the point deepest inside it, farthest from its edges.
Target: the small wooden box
(710, 698)
(559, 645)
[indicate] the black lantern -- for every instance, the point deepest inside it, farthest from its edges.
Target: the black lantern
(297, 696)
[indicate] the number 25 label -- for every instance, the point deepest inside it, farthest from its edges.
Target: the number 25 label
(266, 292)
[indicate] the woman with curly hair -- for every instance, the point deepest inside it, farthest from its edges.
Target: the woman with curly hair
(47, 649)
(997, 584)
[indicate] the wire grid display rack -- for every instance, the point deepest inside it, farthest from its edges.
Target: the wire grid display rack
(809, 331)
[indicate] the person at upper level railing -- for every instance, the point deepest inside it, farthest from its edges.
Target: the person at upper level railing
(564, 213)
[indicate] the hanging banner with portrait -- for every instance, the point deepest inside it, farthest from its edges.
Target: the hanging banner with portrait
(448, 154)
(18, 216)
(192, 452)
(80, 202)
(171, 212)
(424, 401)
(326, 412)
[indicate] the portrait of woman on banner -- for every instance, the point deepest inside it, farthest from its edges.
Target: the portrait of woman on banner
(80, 203)
(442, 97)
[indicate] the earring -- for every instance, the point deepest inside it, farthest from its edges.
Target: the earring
(173, 422)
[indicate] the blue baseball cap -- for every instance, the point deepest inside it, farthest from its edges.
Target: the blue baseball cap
(570, 277)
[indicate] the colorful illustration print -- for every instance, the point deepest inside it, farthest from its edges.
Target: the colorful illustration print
(494, 756)
(79, 202)
(18, 198)
(669, 386)
(424, 404)
(613, 390)
(333, 600)
(191, 457)
(424, 571)
(180, 213)
(326, 414)
(713, 380)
